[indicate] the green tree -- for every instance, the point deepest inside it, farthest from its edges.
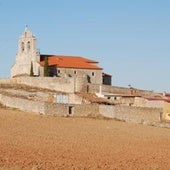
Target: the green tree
(46, 68)
(31, 70)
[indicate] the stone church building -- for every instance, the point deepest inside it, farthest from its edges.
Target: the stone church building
(59, 65)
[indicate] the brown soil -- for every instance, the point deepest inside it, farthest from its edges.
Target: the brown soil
(29, 141)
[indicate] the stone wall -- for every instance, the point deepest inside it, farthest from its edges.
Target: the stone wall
(62, 84)
(93, 88)
(70, 85)
(55, 83)
(56, 109)
(48, 107)
(132, 114)
(5, 81)
(166, 111)
(142, 102)
(22, 104)
(71, 110)
(125, 113)
(86, 110)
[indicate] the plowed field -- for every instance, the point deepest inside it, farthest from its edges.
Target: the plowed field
(29, 141)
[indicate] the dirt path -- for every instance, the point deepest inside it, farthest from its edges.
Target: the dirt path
(29, 141)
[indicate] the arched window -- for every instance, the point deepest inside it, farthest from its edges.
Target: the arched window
(28, 45)
(22, 46)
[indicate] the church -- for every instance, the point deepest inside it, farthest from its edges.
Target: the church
(28, 57)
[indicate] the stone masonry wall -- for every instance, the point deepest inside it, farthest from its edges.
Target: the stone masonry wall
(126, 113)
(5, 81)
(118, 90)
(70, 85)
(77, 110)
(62, 84)
(22, 104)
(56, 109)
(142, 102)
(85, 110)
(132, 114)
(166, 111)
(48, 108)
(55, 83)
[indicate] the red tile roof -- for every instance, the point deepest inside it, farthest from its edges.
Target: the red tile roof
(70, 62)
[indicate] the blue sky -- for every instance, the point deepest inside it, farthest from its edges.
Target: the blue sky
(130, 38)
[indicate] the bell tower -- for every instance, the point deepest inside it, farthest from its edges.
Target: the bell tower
(27, 54)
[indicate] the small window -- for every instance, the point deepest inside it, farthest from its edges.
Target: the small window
(92, 73)
(58, 71)
(75, 72)
(22, 46)
(28, 45)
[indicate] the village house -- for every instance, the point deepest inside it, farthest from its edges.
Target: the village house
(59, 65)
